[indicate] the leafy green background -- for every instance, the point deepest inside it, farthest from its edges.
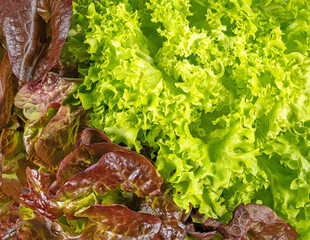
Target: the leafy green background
(218, 88)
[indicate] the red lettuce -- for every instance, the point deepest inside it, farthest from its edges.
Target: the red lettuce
(81, 171)
(34, 32)
(33, 130)
(37, 198)
(35, 99)
(117, 222)
(171, 216)
(41, 227)
(250, 222)
(120, 165)
(129, 170)
(255, 221)
(58, 137)
(8, 218)
(97, 143)
(200, 228)
(74, 163)
(37, 228)
(11, 188)
(12, 150)
(92, 145)
(8, 90)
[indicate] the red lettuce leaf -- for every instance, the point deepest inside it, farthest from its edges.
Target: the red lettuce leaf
(198, 234)
(41, 227)
(12, 149)
(72, 164)
(95, 232)
(205, 230)
(42, 28)
(11, 142)
(8, 90)
(117, 222)
(131, 171)
(33, 130)
(60, 15)
(21, 171)
(37, 228)
(93, 144)
(11, 188)
(255, 221)
(251, 221)
(58, 137)
(23, 48)
(35, 99)
(171, 216)
(37, 198)
(8, 218)
(13, 225)
(90, 136)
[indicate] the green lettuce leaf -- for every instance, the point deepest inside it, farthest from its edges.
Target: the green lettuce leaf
(218, 89)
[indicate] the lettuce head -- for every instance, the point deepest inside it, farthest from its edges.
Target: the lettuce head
(217, 89)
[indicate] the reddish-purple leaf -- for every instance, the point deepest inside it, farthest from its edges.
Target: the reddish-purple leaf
(41, 228)
(171, 216)
(22, 30)
(21, 171)
(97, 150)
(11, 142)
(34, 32)
(60, 15)
(90, 136)
(95, 232)
(191, 231)
(8, 90)
(131, 171)
(58, 137)
(12, 149)
(35, 99)
(93, 144)
(258, 222)
(12, 188)
(200, 235)
(205, 230)
(33, 130)
(8, 219)
(72, 164)
(200, 228)
(37, 198)
(37, 228)
(117, 222)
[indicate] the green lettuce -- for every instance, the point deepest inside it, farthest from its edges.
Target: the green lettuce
(218, 89)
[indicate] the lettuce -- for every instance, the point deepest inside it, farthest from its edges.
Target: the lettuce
(35, 99)
(127, 224)
(218, 89)
(8, 90)
(46, 132)
(33, 33)
(252, 219)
